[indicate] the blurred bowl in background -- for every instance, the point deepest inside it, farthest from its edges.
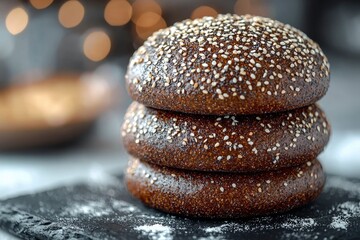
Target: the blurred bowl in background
(51, 111)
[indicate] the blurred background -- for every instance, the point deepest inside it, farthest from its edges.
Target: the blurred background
(62, 91)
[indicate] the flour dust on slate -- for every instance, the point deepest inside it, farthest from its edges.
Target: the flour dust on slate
(106, 211)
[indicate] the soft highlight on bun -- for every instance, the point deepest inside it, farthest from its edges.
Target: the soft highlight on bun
(228, 65)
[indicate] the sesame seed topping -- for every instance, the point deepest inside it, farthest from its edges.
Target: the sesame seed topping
(232, 141)
(243, 52)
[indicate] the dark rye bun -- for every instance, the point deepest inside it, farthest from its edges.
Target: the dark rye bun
(224, 195)
(228, 143)
(228, 65)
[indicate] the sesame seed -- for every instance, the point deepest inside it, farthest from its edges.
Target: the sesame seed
(265, 51)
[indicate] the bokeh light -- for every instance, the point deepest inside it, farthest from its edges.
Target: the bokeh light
(17, 20)
(71, 14)
(142, 6)
(144, 32)
(148, 19)
(118, 12)
(40, 4)
(97, 45)
(203, 11)
(255, 7)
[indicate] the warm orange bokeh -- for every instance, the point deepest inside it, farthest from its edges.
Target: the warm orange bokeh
(17, 20)
(118, 12)
(97, 45)
(40, 4)
(71, 14)
(203, 11)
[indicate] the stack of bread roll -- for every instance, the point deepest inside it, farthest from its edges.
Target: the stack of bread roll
(224, 122)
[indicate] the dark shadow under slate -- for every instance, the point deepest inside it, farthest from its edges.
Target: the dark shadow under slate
(106, 211)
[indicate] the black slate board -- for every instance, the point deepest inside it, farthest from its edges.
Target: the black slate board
(106, 211)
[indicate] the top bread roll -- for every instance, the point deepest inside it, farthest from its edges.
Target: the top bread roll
(228, 65)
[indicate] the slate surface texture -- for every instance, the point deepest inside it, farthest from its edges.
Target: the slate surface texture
(106, 211)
